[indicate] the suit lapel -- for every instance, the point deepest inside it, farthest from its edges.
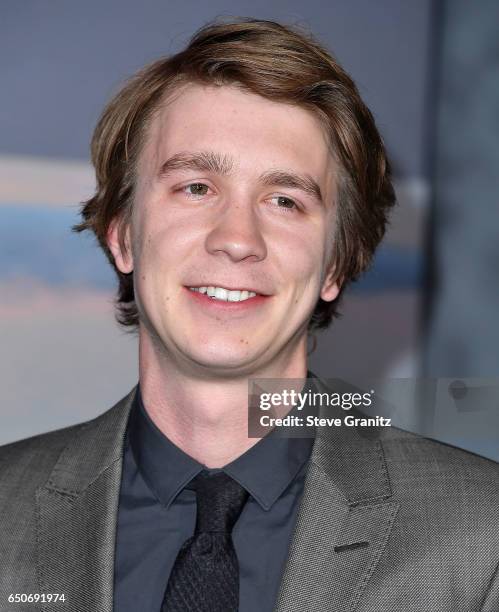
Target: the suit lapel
(77, 512)
(343, 524)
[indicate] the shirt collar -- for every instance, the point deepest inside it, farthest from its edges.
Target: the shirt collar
(265, 470)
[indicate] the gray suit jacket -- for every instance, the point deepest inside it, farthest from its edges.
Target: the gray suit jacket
(388, 523)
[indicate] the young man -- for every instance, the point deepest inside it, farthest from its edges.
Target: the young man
(242, 184)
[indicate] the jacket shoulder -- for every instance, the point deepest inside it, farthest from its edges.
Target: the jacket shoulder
(33, 468)
(26, 464)
(413, 456)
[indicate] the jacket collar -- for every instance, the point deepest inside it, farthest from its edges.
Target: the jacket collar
(352, 457)
(99, 443)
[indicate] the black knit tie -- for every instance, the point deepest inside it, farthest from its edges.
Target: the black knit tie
(205, 576)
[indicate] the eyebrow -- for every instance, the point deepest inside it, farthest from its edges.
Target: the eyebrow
(281, 178)
(210, 161)
(204, 161)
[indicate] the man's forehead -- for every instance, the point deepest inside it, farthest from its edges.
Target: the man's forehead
(183, 127)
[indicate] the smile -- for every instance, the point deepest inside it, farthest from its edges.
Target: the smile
(225, 295)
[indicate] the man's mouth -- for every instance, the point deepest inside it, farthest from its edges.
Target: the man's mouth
(226, 295)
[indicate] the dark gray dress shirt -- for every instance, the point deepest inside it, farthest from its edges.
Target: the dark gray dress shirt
(157, 513)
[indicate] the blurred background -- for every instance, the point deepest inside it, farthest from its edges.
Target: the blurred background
(428, 309)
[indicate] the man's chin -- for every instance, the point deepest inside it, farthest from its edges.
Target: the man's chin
(225, 364)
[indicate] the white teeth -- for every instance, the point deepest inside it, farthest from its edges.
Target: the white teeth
(226, 295)
(237, 296)
(221, 294)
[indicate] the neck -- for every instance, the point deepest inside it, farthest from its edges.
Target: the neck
(204, 413)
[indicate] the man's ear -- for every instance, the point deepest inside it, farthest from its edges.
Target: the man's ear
(330, 286)
(122, 255)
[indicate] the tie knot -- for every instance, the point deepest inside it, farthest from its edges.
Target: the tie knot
(220, 500)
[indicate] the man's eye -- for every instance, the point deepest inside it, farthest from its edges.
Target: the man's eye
(284, 202)
(196, 189)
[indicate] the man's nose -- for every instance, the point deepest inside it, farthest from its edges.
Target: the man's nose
(237, 233)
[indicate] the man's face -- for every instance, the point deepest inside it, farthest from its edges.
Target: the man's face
(234, 192)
